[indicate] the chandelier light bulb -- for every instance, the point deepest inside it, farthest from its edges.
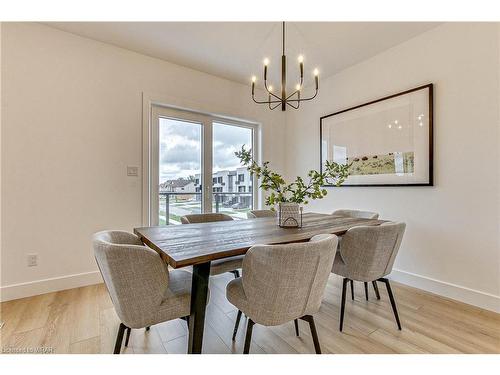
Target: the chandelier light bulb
(297, 87)
(254, 78)
(270, 88)
(301, 59)
(266, 61)
(316, 72)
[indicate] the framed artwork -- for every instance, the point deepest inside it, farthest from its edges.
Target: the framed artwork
(387, 142)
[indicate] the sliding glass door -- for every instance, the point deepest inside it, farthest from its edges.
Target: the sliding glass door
(193, 166)
(179, 169)
(232, 184)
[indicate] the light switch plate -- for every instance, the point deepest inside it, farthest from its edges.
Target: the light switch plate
(132, 171)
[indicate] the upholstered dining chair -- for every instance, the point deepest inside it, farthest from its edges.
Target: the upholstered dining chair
(220, 266)
(357, 214)
(281, 283)
(141, 288)
(367, 254)
(261, 213)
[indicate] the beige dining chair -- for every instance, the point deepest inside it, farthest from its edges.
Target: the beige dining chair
(142, 290)
(367, 254)
(281, 283)
(220, 266)
(357, 214)
(253, 214)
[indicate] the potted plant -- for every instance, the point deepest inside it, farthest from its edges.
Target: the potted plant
(289, 196)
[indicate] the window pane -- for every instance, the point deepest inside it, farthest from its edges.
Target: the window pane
(179, 170)
(232, 182)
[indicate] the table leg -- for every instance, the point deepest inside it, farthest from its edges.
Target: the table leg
(199, 293)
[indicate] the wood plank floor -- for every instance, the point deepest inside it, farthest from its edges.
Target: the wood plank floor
(83, 320)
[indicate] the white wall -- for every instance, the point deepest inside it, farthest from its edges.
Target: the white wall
(1, 25)
(67, 96)
(451, 245)
(498, 165)
(72, 120)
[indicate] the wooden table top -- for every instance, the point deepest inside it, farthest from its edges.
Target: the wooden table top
(185, 245)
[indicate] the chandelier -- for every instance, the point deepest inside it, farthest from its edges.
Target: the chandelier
(294, 99)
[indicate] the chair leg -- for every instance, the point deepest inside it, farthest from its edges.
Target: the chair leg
(342, 303)
(186, 319)
(236, 273)
(128, 336)
(119, 338)
(296, 322)
(352, 289)
(236, 325)
(393, 302)
(375, 287)
(248, 337)
(314, 333)
(366, 290)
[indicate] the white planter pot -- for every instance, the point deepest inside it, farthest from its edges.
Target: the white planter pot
(289, 215)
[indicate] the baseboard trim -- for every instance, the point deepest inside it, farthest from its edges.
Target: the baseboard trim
(34, 288)
(470, 296)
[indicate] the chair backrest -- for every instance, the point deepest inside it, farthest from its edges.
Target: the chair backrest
(285, 282)
(204, 218)
(135, 275)
(369, 251)
(261, 213)
(356, 214)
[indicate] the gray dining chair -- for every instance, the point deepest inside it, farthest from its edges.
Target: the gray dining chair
(205, 218)
(281, 283)
(220, 266)
(367, 254)
(357, 214)
(142, 290)
(260, 213)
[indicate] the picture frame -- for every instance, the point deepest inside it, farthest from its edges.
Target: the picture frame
(387, 141)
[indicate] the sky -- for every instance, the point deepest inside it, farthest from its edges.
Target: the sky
(180, 147)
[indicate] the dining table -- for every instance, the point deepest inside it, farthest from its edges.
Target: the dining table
(197, 245)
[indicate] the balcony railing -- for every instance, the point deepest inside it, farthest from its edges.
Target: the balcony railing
(222, 200)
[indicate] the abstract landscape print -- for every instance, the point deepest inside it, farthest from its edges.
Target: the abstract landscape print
(390, 163)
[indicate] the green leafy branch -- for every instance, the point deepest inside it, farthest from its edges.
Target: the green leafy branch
(297, 191)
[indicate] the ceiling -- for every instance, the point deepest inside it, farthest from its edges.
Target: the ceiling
(235, 50)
